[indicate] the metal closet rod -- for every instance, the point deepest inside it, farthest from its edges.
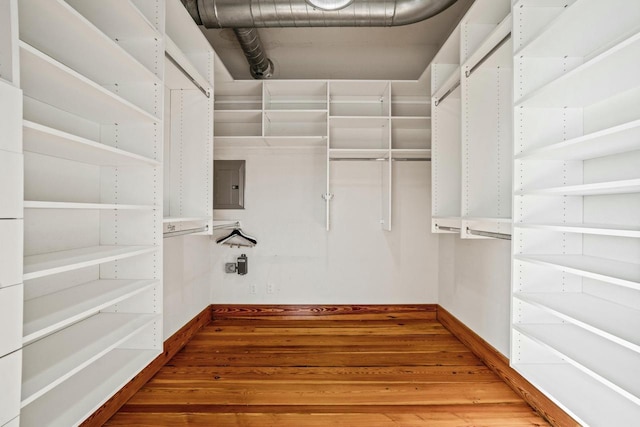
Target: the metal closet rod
(494, 235)
(187, 75)
(488, 55)
(183, 232)
(446, 228)
(379, 159)
(447, 93)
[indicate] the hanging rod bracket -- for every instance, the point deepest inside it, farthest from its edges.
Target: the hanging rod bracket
(491, 234)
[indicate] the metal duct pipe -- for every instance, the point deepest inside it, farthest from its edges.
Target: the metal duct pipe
(260, 66)
(244, 16)
(298, 13)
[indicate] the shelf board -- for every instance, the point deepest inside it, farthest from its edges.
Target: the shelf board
(296, 116)
(614, 322)
(175, 79)
(605, 75)
(58, 262)
(42, 139)
(63, 33)
(411, 152)
(618, 139)
(610, 271)
(488, 219)
(364, 153)
(578, 30)
(238, 116)
(584, 398)
(501, 57)
(595, 189)
(607, 362)
(585, 228)
(32, 204)
(52, 312)
(51, 82)
(357, 122)
(78, 397)
(170, 219)
(270, 141)
(74, 348)
(448, 83)
(118, 18)
(296, 141)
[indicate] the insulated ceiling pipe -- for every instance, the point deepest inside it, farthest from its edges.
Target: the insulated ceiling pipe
(251, 14)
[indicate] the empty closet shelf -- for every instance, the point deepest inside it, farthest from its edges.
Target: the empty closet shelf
(58, 262)
(49, 313)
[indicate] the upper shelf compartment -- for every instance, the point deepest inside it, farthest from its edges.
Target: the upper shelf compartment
(605, 75)
(295, 95)
(410, 99)
(51, 82)
(60, 31)
(359, 98)
(578, 30)
(238, 95)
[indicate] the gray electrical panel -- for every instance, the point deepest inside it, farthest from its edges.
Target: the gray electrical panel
(228, 181)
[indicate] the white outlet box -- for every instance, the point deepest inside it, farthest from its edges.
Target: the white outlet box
(254, 289)
(270, 288)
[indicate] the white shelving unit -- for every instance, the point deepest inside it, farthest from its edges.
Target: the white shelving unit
(11, 216)
(576, 249)
(472, 125)
(351, 119)
(188, 119)
(91, 75)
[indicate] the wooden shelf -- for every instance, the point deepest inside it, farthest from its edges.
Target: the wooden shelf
(618, 139)
(607, 362)
(60, 31)
(578, 30)
(51, 82)
(31, 204)
(603, 318)
(58, 262)
(601, 188)
(585, 228)
(608, 74)
(610, 271)
(52, 312)
(579, 395)
(79, 396)
(74, 348)
(52, 142)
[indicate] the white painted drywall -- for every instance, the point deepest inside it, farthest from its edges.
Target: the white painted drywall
(297, 262)
(475, 285)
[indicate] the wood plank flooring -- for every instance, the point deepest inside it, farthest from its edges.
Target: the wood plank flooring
(387, 369)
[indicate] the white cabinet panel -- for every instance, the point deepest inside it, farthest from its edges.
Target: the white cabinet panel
(11, 187)
(10, 252)
(10, 118)
(10, 372)
(10, 319)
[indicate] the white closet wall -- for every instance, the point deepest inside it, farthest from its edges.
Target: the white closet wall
(576, 249)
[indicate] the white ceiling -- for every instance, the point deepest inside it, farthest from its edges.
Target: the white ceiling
(387, 53)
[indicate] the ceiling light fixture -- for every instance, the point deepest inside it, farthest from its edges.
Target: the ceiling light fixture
(329, 5)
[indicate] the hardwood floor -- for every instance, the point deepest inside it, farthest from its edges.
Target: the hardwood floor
(372, 369)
